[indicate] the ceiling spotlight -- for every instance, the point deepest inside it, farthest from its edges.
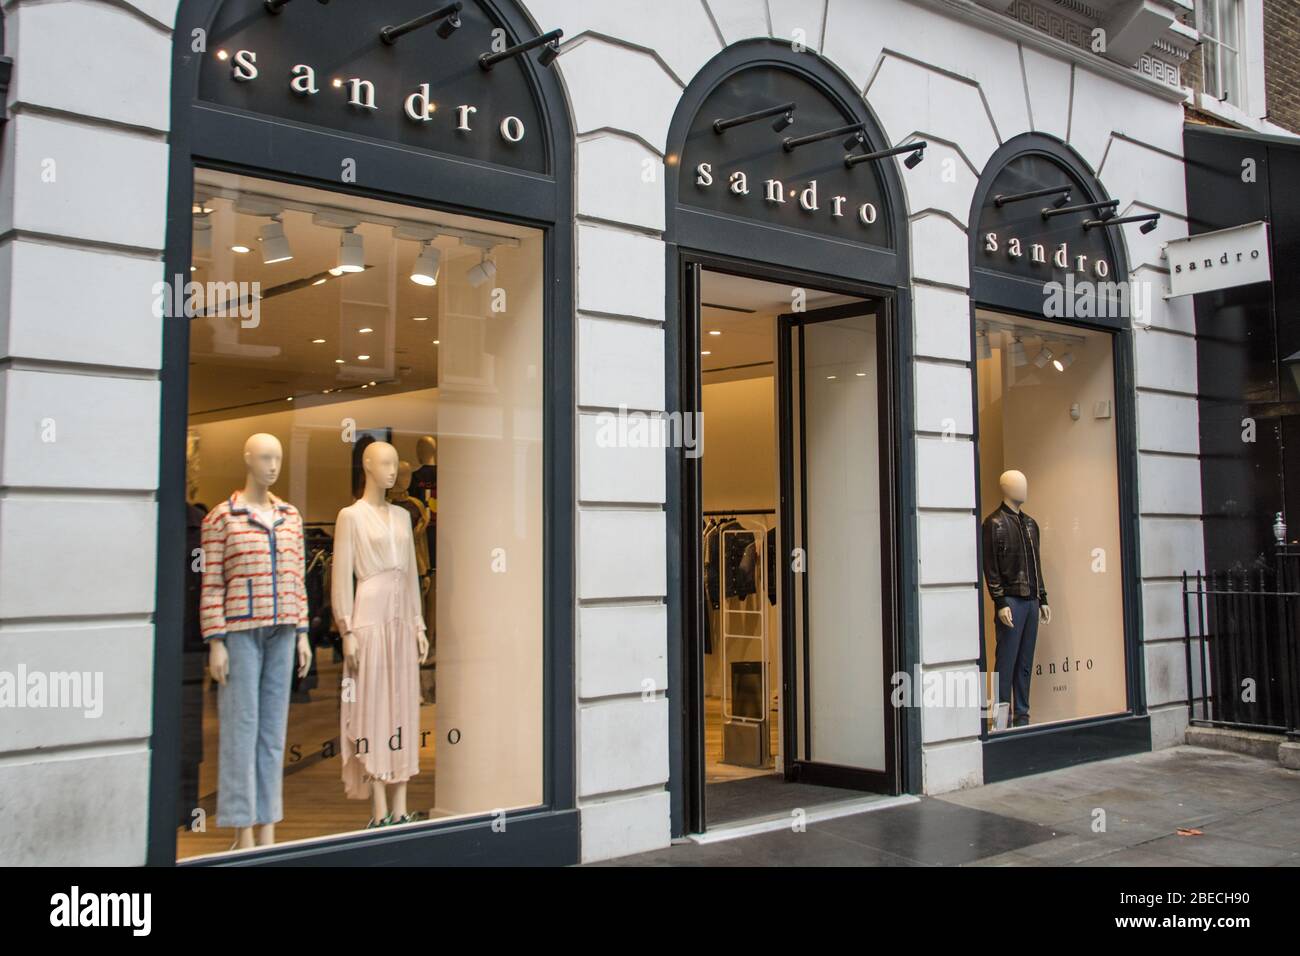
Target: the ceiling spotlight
(714, 332)
(706, 352)
(1043, 357)
(419, 318)
(352, 252)
(449, 15)
(317, 341)
(320, 281)
(338, 361)
(275, 245)
(982, 348)
(366, 331)
(1017, 350)
(1064, 362)
(363, 358)
(241, 250)
(482, 272)
(201, 206)
(436, 342)
(425, 270)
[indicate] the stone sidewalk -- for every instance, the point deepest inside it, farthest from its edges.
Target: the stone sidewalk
(1185, 806)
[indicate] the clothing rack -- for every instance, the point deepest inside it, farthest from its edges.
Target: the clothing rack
(742, 511)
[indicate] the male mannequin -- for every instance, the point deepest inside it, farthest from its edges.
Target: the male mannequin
(424, 485)
(253, 603)
(383, 642)
(1013, 572)
(401, 496)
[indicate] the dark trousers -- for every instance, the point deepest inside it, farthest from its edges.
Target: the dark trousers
(1014, 657)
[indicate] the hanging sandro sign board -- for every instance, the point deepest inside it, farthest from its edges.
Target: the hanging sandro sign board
(745, 171)
(327, 66)
(1219, 260)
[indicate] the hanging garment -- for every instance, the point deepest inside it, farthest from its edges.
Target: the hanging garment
(420, 518)
(379, 721)
(740, 570)
(771, 565)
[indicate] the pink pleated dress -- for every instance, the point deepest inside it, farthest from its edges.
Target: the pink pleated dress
(379, 722)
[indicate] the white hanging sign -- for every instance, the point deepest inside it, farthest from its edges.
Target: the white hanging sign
(1219, 260)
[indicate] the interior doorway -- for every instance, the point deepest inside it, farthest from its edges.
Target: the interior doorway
(790, 511)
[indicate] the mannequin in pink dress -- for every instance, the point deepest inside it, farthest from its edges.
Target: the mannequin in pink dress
(383, 642)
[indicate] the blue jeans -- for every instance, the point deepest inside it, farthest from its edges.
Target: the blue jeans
(254, 715)
(1014, 658)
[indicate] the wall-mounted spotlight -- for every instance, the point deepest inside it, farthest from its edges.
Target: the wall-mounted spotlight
(547, 57)
(449, 14)
(1044, 356)
(275, 244)
(917, 150)
(352, 252)
(1149, 221)
(791, 143)
(784, 114)
(485, 270)
(1064, 362)
(275, 6)
(1061, 199)
(425, 270)
(1105, 209)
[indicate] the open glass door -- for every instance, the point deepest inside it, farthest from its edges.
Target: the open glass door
(839, 727)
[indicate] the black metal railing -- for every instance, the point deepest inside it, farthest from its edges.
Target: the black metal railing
(1244, 671)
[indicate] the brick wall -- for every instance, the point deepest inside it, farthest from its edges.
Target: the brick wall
(1282, 62)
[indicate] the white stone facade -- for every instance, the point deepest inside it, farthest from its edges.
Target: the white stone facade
(83, 196)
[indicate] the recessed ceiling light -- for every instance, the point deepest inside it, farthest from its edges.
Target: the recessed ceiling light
(338, 361)
(372, 383)
(194, 268)
(419, 318)
(363, 358)
(862, 374)
(714, 332)
(365, 331)
(706, 353)
(435, 341)
(320, 281)
(317, 341)
(337, 83)
(830, 378)
(289, 399)
(242, 250)
(222, 55)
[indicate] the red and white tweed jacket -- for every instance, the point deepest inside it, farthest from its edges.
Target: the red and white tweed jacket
(253, 576)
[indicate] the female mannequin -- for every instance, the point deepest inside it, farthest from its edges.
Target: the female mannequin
(383, 642)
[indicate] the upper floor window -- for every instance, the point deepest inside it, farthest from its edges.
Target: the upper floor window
(1219, 22)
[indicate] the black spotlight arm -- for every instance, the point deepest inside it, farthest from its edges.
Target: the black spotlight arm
(489, 60)
(1151, 217)
(390, 34)
(791, 143)
(917, 147)
(1101, 207)
(275, 6)
(725, 124)
(1064, 191)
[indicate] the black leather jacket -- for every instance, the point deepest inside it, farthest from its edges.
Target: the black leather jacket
(1006, 563)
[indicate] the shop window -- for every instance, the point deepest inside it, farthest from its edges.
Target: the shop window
(1046, 397)
(333, 324)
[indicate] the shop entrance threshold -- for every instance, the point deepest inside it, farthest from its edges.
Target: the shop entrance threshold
(744, 808)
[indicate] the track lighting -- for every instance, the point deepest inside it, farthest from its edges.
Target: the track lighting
(485, 270)
(352, 252)
(1043, 357)
(275, 245)
(1148, 220)
(1064, 197)
(917, 150)
(489, 60)
(784, 114)
(425, 270)
(202, 206)
(1105, 209)
(1064, 362)
(791, 143)
(1018, 357)
(449, 14)
(982, 348)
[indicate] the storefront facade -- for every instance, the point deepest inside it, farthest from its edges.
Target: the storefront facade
(579, 215)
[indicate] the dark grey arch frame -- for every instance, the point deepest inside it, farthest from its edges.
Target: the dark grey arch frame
(762, 250)
(208, 136)
(1034, 750)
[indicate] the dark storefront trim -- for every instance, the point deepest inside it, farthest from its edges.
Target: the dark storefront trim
(235, 141)
(1025, 751)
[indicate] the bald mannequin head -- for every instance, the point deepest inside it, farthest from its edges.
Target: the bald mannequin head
(403, 483)
(262, 459)
(426, 449)
(1015, 488)
(379, 461)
